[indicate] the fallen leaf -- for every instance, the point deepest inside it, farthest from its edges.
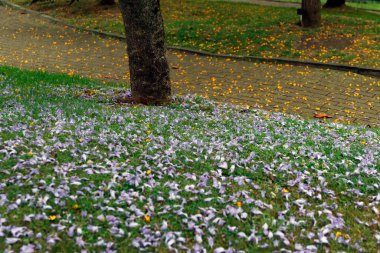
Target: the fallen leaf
(321, 116)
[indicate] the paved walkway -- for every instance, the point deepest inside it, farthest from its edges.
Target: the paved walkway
(33, 43)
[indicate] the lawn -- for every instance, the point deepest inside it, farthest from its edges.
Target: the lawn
(80, 172)
(369, 5)
(348, 36)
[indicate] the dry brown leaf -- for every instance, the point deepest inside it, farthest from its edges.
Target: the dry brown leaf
(321, 116)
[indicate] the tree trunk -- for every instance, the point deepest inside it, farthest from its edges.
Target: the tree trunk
(148, 66)
(334, 3)
(311, 13)
(107, 2)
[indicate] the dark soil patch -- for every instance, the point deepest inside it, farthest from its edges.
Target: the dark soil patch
(337, 43)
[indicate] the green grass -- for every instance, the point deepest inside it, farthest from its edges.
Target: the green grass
(64, 143)
(349, 35)
(370, 5)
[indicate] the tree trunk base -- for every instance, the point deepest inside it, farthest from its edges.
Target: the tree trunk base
(107, 2)
(334, 4)
(311, 16)
(124, 99)
(330, 7)
(148, 65)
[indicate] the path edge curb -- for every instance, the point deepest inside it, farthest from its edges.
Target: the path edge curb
(334, 66)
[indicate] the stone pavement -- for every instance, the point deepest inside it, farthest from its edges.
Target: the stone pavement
(32, 43)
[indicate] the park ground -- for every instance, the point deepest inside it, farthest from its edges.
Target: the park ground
(79, 172)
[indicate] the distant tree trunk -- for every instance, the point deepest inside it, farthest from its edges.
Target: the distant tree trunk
(107, 2)
(334, 3)
(311, 16)
(148, 66)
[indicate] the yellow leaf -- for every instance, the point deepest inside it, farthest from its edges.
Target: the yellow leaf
(284, 190)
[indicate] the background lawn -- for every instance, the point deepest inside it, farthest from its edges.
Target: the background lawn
(369, 5)
(349, 35)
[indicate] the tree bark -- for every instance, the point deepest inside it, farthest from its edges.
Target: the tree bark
(148, 66)
(334, 3)
(107, 2)
(311, 16)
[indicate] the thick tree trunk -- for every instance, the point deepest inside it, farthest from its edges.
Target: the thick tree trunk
(334, 3)
(148, 66)
(107, 2)
(311, 13)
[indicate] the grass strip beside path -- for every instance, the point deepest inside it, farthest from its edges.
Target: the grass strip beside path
(368, 5)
